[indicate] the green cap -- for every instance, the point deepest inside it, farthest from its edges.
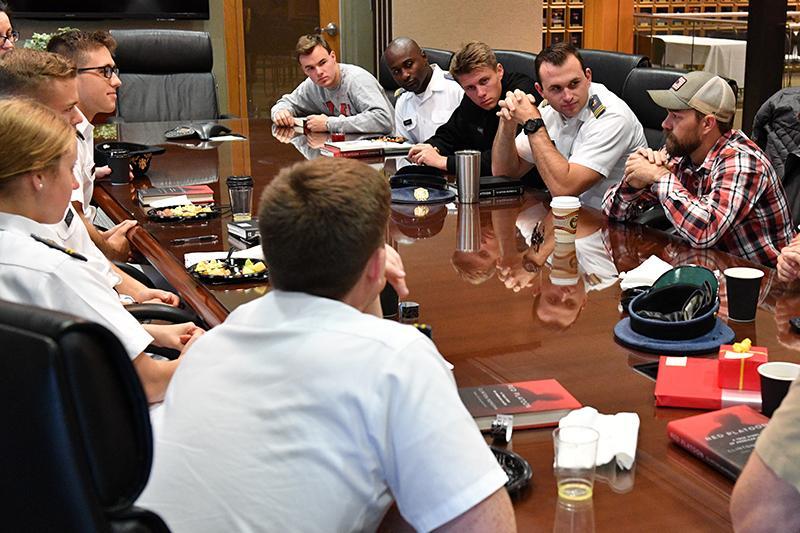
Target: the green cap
(702, 91)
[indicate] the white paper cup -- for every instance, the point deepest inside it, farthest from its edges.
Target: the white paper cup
(565, 217)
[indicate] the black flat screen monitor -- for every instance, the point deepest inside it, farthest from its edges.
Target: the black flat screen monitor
(109, 9)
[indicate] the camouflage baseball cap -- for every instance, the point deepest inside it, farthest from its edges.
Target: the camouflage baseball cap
(703, 91)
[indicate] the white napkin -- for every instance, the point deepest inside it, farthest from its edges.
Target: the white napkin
(645, 274)
(619, 434)
(250, 253)
(228, 138)
(169, 201)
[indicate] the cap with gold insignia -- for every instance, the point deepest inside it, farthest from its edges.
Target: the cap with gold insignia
(702, 91)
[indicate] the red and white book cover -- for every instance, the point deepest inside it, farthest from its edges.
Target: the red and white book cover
(537, 403)
(692, 382)
(724, 439)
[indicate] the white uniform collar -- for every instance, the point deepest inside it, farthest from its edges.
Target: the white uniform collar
(435, 85)
(85, 128)
(25, 226)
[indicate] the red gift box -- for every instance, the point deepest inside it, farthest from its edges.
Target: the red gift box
(692, 382)
(738, 370)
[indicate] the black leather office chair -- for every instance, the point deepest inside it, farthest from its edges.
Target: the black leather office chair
(520, 62)
(634, 92)
(166, 76)
(517, 61)
(611, 68)
(439, 56)
(77, 444)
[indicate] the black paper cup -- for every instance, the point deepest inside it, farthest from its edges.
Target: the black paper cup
(743, 285)
(119, 163)
(776, 378)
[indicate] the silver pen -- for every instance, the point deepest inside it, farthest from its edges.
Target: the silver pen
(192, 240)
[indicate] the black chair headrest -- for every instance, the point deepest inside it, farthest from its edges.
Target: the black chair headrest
(162, 51)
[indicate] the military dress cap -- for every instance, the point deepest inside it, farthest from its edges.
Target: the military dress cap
(702, 91)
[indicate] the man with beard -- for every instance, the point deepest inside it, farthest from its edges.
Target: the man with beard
(716, 186)
(430, 94)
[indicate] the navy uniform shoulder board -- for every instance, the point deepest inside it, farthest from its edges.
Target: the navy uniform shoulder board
(53, 244)
(596, 106)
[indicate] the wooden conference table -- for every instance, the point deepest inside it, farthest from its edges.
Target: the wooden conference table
(494, 334)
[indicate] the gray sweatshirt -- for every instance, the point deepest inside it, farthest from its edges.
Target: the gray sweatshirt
(357, 105)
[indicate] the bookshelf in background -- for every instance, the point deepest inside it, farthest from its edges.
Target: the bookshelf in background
(562, 20)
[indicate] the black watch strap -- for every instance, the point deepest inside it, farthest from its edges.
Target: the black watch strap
(532, 126)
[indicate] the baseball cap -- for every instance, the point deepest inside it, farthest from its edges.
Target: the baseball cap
(702, 91)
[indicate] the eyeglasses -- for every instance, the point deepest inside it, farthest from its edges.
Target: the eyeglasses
(12, 36)
(107, 70)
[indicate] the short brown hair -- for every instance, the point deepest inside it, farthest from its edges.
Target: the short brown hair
(320, 222)
(307, 43)
(76, 44)
(24, 71)
(557, 55)
(724, 127)
(32, 137)
(471, 56)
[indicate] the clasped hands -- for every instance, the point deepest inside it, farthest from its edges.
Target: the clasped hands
(645, 166)
(519, 107)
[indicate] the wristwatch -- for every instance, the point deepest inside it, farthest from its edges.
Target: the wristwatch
(532, 126)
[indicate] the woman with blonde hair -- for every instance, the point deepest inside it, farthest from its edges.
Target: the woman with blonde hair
(37, 152)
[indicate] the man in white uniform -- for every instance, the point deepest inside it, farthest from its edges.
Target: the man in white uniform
(578, 138)
(303, 411)
(98, 82)
(430, 96)
(52, 80)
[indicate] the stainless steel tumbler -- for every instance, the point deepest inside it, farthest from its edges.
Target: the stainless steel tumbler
(468, 175)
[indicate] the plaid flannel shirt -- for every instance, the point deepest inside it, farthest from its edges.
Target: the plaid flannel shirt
(733, 201)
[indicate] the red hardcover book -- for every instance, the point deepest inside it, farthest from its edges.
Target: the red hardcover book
(533, 403)
(724, 439)
(364, 148)
(692, 382)
(195, 193)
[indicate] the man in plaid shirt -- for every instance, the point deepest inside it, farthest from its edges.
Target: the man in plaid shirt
(716, 186)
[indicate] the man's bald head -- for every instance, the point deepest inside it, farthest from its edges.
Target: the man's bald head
(408, 64)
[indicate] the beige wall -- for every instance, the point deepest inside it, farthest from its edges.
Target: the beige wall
(510, 25)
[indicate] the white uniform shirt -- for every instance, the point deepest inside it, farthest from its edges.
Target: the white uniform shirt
(418, 116)
(301, 413)
(72, 233)
(602, 144)
(34, 273)
(84, 169)
(597, 267)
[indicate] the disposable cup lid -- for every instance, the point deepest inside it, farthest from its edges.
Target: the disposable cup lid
(743, 273)
(779, 370)
(565, 202)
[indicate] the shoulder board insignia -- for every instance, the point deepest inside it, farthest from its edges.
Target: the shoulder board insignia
(398, 92)
(544, 104)
(53, 244)
(596, 106)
